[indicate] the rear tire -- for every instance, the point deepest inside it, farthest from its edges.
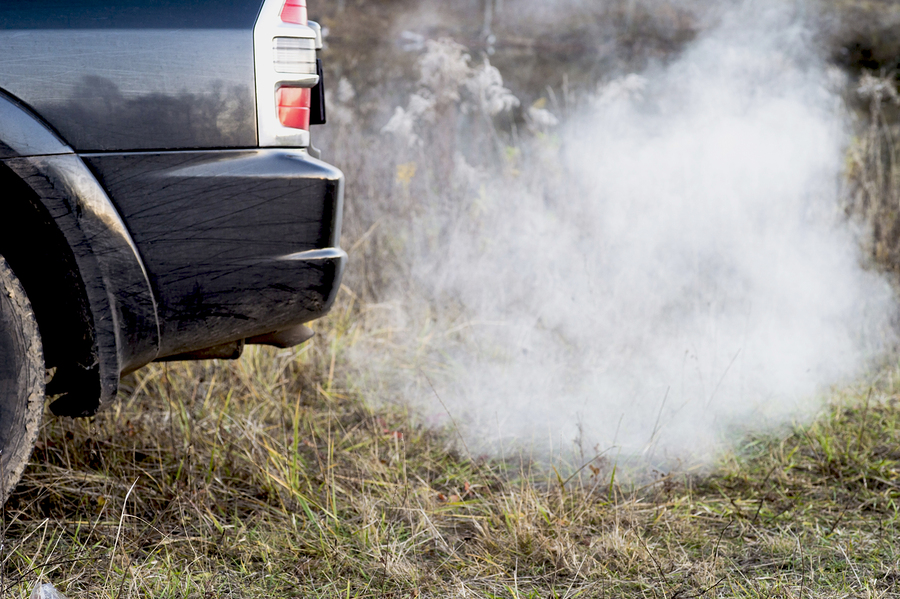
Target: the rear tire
(21, 380)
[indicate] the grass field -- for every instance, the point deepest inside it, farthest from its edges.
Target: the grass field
(265, 478)
(280, 475)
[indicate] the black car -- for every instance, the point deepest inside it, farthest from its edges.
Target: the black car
(160, 197)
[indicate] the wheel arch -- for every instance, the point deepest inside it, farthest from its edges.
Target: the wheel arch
(73, 253)
(40, 256)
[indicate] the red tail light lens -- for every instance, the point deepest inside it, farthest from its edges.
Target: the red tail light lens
(293, 106)
(294, 11)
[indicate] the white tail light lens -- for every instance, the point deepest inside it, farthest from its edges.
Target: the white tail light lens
(295, 55)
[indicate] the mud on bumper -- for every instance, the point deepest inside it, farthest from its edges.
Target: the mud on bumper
(236, 243)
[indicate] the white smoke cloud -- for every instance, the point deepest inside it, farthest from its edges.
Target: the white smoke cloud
(670, 269)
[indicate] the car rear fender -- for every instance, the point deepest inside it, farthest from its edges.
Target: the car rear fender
(121, 302)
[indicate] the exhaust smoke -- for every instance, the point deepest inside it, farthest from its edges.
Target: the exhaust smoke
(660, 271)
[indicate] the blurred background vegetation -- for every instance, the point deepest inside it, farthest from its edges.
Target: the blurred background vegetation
(555, 54)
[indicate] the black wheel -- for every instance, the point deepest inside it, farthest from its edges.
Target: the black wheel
(21, 380)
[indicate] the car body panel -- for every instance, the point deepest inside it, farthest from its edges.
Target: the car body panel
(225, 237)
(129, 14)
(128, 75)
(23, 133)
(125, 324)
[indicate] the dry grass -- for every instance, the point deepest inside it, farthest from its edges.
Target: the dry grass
(265, 477)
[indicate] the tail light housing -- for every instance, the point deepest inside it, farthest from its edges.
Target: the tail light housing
(285, 44)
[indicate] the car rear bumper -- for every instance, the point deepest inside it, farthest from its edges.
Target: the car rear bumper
(236, 243)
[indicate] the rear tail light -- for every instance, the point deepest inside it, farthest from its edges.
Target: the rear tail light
(285, 45)
(293, 106)
(295, 55)
(294, 11)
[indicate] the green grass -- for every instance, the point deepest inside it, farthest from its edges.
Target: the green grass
(264, 477)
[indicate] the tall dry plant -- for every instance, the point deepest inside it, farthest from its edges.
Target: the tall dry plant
(873, 175)
(423, 162)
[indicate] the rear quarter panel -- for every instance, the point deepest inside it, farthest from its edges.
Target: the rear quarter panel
(124, 75)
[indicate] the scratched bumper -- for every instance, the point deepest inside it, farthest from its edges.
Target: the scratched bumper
(236, 243)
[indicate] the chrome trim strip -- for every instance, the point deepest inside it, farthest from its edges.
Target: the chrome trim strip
(321, 254)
